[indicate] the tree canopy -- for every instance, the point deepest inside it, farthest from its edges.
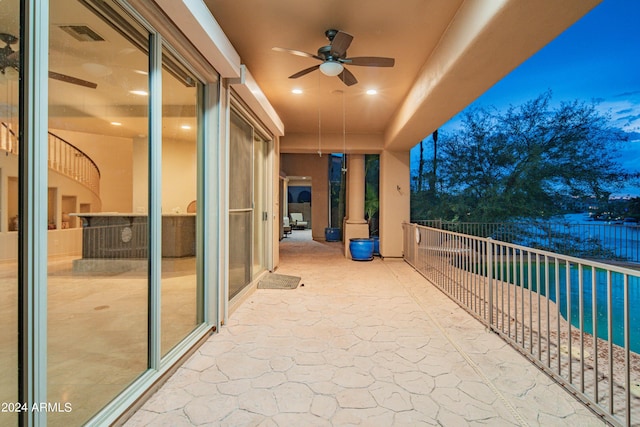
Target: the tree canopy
(520, 163)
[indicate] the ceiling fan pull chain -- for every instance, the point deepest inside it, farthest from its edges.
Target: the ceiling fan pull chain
(344, 137)
(319, 121)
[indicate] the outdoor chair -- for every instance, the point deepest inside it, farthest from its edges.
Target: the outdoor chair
(286, 226)
(298, 221)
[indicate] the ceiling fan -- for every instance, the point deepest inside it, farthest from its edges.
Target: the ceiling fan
(10, 58)
(334, 58)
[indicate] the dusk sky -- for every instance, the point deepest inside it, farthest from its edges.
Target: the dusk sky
(597, 59)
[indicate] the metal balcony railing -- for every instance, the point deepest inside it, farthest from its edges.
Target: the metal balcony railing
(617, 241)
(64, 158)
(575, 319)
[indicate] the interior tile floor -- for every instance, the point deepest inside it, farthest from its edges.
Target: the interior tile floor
(357, 343)
(96, 332)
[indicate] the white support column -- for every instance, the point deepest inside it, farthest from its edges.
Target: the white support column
(355, 225)
(395, 200)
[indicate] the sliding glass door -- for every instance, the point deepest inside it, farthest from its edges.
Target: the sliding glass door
(104, 176)
(181, 294)
(124, 284)
(9, 214)
(248, 203)
(98, 285)
(240, 203)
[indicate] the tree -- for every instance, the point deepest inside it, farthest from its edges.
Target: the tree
(420, 176)
(372, 186)
(522, 162)
(433, 176)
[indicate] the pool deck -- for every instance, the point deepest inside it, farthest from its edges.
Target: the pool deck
(356, 343)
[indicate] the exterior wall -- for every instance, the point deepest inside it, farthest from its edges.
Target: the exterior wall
(318, 169)
(395, 179)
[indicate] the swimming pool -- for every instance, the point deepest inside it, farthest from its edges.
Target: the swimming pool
(617, 299)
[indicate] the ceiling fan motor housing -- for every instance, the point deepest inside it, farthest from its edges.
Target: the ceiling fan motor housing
(325, 52)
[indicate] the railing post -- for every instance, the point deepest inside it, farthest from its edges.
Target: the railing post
(416, 242)
(490, 277)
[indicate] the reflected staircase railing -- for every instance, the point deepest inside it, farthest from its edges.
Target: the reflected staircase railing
(64, 158)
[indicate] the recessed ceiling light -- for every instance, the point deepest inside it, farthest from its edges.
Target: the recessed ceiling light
(185, 127)
(372, 92)
(297, 91)
(97, 70)
(116, 123)
(139, 92)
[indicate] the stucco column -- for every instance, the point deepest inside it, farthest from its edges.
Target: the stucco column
(355, 189)
(395, 200)
(355, 225)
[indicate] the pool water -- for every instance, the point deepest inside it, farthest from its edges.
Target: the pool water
(617, 299)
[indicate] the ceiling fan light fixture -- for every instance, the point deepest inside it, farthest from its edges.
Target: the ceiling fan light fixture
(331, 68)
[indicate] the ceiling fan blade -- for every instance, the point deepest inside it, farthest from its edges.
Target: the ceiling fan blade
(347, 77)
(340, 44)
(296, 52)
(72, 80)
(13, 60)
(8, 38)
(303, 72)
(370, 61)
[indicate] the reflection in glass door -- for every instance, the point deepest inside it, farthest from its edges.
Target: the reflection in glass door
(181, 295)
(97, 274)
(9, 215)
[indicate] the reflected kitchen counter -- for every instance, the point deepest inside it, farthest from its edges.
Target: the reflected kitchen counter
(116, 235)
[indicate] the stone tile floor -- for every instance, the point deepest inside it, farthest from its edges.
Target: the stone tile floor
(357, 343)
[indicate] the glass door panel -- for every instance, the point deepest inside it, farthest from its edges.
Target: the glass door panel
(180, 293)
(10, 15)
(98, 157)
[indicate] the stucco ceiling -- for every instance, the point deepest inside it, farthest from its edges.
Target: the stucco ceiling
(447, 53)
(406, 30)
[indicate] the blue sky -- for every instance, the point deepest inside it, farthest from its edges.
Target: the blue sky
(597, 59)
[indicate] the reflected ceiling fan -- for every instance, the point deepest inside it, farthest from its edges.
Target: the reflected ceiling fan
(334, 58)
(10, 58)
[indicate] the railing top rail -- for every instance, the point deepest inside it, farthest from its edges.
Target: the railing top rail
(77, 149)
(504, 223)
(567, 258)
(5, 125)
